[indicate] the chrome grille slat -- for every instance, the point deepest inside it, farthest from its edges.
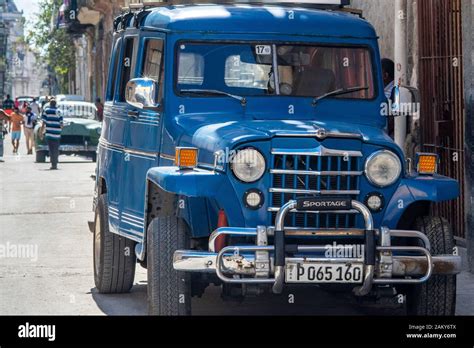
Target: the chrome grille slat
(308, 172)
(314, 172)
(275, 209)
(314, 192)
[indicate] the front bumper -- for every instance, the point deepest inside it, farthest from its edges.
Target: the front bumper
(69, 148)
(383, 263)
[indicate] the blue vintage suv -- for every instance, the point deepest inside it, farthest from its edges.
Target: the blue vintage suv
(244, 146)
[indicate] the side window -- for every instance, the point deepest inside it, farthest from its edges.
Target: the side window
(191, 69)
(127, 66)
(153, 59)
(113, 70)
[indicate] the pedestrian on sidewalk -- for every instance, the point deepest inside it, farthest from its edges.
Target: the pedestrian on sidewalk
(4, 120)
(35, 107)
(16, 121)
(28, 128)
(100, 109)
(52, 128)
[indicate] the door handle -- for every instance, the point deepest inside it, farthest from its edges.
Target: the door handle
(133, 114)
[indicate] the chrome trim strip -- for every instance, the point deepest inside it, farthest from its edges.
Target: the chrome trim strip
(274, 210)
(320, 151)
(121, 148)
(141, 153)
(167, 157)
(131, 223)
(153, 124)
(318, 135)
(315, 173)
(125, 218)
(314, 192)
(133, 216)
(106, 144)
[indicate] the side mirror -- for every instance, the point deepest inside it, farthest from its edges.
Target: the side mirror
(142, 93)
(405, 101)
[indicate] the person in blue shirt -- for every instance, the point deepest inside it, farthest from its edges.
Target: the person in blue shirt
(52, 128)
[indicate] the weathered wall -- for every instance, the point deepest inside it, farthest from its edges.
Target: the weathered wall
(381, 14)
(468, 62)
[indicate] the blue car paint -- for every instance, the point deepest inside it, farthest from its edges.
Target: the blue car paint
(136, 150)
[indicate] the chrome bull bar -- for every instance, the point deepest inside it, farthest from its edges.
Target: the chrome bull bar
(265, 264)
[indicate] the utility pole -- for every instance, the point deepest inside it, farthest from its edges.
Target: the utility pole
(401, 64)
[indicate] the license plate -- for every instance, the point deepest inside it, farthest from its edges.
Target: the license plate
(324, 273)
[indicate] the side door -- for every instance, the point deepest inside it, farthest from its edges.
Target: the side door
(144, 136)
(111, 145)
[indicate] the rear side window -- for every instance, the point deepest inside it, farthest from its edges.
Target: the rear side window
(153, 59)
(114, 70)
(127, 66)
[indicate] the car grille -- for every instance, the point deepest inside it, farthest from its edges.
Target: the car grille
(74, 139)
(317, 172)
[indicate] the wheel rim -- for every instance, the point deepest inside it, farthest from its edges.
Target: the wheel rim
(97, 244)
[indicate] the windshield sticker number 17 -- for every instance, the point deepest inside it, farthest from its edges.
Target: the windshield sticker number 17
(263, 50)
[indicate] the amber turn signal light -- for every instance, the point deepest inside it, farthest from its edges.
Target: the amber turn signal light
(186, 157)
(427, 163)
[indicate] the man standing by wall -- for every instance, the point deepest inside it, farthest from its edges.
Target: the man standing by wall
(52, 127)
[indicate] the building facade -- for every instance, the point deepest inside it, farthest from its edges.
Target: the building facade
(441, 60)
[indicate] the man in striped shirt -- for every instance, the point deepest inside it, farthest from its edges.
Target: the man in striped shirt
(52, 127)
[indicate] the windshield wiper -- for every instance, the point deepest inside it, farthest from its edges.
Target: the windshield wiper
(340, 91)
(242, 100)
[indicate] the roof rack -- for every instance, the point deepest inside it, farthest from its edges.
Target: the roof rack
(326, 4)
(139, 10)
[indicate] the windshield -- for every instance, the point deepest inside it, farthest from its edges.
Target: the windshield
(268, 69)
(86, 110)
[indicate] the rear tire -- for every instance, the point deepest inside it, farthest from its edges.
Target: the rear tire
(436, 297)
(114, 255)
(169, 291)
(40, 156)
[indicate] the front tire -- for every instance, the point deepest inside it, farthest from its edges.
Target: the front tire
(114, 255)
(169, 291)
(436, 297)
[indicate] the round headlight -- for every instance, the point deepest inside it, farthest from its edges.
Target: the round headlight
(383, 168)
(248, 165)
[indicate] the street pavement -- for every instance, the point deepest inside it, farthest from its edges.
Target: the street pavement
(48, 211)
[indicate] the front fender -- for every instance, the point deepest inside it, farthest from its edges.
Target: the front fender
(433, 189)
(190, 183)
(200, 183)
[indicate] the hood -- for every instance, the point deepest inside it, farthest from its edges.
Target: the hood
(217, 136)
(88, 123)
